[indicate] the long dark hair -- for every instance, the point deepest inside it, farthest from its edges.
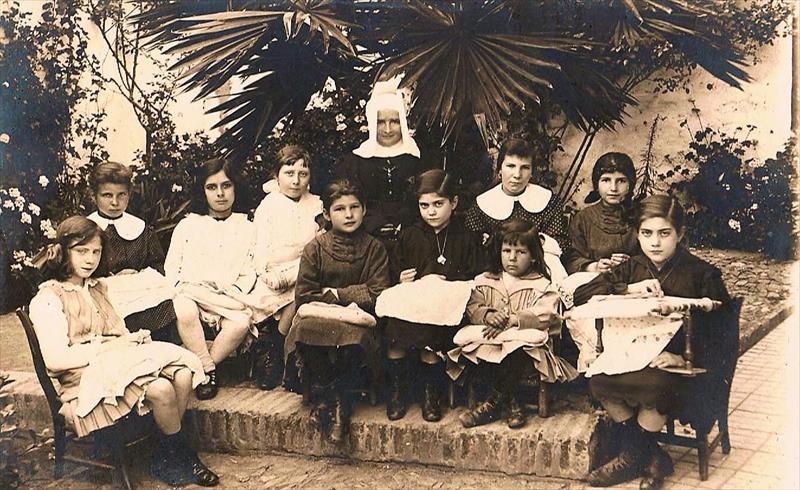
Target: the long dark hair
(608, 164)
(207, 169)
(72, 232)
(516, 231)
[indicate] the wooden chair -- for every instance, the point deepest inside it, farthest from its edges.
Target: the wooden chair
(112, 438)
(709, 389)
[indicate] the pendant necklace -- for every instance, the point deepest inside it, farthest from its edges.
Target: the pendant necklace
(441, 259)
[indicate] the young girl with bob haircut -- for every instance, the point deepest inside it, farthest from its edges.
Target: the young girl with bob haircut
(285, 221)
(513, 306)
(437, 244)
(210, 262)
(343, 266)
(641, 401)
(86, 346)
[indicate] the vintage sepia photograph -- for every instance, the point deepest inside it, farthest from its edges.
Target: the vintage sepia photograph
(399, 244)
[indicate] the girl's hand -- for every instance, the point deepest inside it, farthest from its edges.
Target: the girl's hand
(602, 265)
(648, 286)
(617, 259)
(408, 275)
(667, 359)
(490, 332)
(497, 319)
(513, 321)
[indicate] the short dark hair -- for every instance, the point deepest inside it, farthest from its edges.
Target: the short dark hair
(339, 188)
(614, 162)
(73, 231)
(110, 173)
(517, 231)
(661, 206)
(206, 170)
(290, 154)
(517, 147)
(436, 181)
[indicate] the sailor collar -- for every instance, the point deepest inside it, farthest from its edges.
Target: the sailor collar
(128, 226)
(499, 205)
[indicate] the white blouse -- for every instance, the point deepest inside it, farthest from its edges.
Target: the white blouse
(284, 227)
(204, 249)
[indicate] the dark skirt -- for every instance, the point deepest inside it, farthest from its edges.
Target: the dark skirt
(153, 319)
(332, 333)
(647, 388)
(401, 334)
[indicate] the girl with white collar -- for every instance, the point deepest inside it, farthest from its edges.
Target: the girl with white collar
(516, 198)
(132, 255)
(286, 220)
(385, 164)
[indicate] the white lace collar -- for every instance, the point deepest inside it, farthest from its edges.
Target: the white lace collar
(499, 205)
(307, 201)
(128, 226)
(90, 282)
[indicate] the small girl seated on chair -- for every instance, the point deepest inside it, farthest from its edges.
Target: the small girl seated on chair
(513, 306)
(641, 401)
(341, 267)
(104, 371)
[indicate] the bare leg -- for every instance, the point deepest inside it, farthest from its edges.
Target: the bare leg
(162, 400)
(651, 420)
(229, 338)
(191, 331)
(182, 384)
(619, 411)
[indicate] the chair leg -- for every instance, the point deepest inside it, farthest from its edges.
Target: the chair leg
(544, 399)
(471, 402)
(120, 473)
(724, 434)
(702, 455)
(451, 394)
(60, 443)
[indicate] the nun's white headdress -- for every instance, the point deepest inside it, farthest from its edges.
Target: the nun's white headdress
(385, 96)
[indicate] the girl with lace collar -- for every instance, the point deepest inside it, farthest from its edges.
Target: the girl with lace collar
(210, 262)
(515, 197)
(285, 221)
(385, 163)
(133, 256)
(104, 371)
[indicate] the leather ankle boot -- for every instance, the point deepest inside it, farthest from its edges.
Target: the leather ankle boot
(431, 395)
(658, 468)
(516, 412)
(209, 388)
(396, 403)
(628, 464)
(485, 412)
(199, 473)
(269, 360)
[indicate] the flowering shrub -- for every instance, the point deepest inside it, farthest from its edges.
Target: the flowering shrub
(732, 199)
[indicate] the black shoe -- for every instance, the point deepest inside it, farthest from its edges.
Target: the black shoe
(200, 473)
(486, 412)
(657, 469)
(269, 359)
(340, 421)
(628, 464)
(169, 463)
(208, 389)
(396, 404)
(516, 413)
(431, 397)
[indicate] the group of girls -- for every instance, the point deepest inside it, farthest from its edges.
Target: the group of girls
(305, 276)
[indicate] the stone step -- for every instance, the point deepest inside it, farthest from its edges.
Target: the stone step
(249, 420)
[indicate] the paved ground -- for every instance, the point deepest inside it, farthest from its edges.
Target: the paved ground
(765, 444)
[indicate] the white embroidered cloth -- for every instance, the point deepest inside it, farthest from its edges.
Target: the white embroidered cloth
(132, 293)
(351, 313)
(429, 300)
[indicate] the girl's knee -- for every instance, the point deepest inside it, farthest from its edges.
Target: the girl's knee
(160, 391)
(182, 382)
(240, 329)
(185, 309)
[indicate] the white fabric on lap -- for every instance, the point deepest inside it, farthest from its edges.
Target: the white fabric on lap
(351, 314)
(429, 300)
(132, 293)
(473, 334)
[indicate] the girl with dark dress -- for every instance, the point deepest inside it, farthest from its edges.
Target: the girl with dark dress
(436, 244)
(641, 401)
(343, 266)
(384, 165)
(516, 198)
(601, 235)
(131, 247)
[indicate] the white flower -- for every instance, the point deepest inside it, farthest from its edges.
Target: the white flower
(19, 255)
(8, 204)
(28, 262)
(735, 225)
(13, 192)
(340, 118)
(20, 203)
(47, 228)
(258, 158)
(5, 138)
(16, 267)
(5, 85)
(25, 218)
(754, 206)
(341, 127)
(43, 181)
(34, 209)
(362, 103)
(176, 188)
(364, 129)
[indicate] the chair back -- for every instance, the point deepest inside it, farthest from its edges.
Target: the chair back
(50, 391)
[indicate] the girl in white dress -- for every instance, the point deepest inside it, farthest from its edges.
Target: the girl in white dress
(210, 261)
